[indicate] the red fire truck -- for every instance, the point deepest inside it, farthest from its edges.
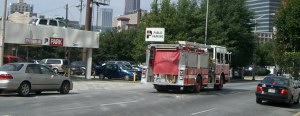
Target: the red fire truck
(186, 66)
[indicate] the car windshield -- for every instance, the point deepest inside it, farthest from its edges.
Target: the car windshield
(276, 81)
(11, 67)
(124, 67)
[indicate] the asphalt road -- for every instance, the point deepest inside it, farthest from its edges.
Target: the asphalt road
(134, 99)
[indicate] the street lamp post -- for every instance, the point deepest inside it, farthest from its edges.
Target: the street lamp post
(206, 21)
(256, 41)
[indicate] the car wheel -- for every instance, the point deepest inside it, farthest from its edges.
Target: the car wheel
(101, 76)
(65, 88)
(24, 89)
(38, 92)
(258, 100)
(126, 77)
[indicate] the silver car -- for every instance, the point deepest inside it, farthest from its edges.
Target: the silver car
(25, 78)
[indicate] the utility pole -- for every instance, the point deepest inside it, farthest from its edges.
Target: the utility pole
(80, 18)
(66, 49)
(97, 22)
(67, 18)
(206, 23)
(87, 52)
(88, 22)
(2, 38)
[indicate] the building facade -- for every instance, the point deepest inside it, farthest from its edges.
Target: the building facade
(264, 11)
(105, 20)
(131, 6)
(21, 7)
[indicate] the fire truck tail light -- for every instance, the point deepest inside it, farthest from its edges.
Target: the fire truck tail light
(181, 73)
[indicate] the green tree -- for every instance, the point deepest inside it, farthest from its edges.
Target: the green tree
(115, 45)
(229, 25)
(287, 35)
(264, 54)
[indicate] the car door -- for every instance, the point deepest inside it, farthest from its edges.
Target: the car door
(107, 70)
(53, 79)
(115, 71)
(36, 79)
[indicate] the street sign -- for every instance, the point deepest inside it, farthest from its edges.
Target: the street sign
(155, 35)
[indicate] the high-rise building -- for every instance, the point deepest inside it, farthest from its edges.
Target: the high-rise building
(105, 20)
(21, 7)
(264, 11)
(131, 6)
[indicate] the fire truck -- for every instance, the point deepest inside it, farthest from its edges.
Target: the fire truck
(186, 66)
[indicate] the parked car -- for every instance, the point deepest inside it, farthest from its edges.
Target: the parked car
(47, 21)
(278, 89)
(126, 63)
(25, 78)
(57, 65)
(79, 67)
(112, 70)
(11, 59)
(37, 62)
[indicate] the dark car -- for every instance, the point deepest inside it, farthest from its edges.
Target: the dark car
(112, 70)
(278, 89)
(79, 67)
(126, 63)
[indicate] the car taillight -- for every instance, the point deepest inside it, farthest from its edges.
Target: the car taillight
(284, 92)
(259, 89)
(5, 76)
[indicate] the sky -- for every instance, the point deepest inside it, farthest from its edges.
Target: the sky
(54, 8)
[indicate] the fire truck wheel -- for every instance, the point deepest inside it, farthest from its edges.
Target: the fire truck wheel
(219, 86)
(198, 85)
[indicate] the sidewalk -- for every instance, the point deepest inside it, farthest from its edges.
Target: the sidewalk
(247, 79)
(81, 83)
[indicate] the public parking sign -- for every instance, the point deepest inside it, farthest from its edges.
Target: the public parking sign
(155, 34)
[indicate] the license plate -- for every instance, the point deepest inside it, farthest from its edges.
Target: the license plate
(271, 90)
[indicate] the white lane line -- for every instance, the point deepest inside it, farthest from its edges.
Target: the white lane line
(203, 111)
(117, 103)
(81, 107)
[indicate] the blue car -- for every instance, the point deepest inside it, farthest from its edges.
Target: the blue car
(117, 71)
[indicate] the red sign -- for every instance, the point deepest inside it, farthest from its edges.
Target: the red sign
(56, 42)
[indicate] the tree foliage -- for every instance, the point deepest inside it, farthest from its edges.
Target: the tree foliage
(115, 45)
(228, 25)
(287, 35)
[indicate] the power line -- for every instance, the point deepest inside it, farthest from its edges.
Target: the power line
(52, 10)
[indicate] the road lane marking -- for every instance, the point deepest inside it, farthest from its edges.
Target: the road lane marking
(117, 103)
(203, 111)
(81, 107)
